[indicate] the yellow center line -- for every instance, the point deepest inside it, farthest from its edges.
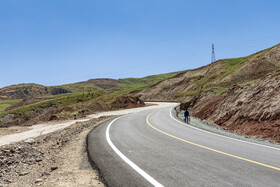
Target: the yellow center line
(208, 148)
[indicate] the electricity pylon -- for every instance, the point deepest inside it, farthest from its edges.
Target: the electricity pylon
(213, 58)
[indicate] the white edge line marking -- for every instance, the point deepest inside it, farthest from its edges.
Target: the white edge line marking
(129, 162)
(219, 134)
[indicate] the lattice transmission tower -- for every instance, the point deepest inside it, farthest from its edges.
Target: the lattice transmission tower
(213, 58)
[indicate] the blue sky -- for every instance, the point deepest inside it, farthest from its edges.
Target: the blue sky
(55, 42)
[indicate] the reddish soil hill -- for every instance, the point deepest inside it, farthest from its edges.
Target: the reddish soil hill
(252, 110)
(103, 83)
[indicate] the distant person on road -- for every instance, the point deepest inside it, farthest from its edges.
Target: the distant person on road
(187, 116)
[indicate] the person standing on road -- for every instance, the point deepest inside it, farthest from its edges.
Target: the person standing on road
(187, 116)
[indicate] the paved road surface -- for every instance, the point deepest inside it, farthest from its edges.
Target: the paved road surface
(152, 148)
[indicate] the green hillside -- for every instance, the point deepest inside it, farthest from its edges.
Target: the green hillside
(68, 107)
(7, 103)
(131, 84)
(24, 101)
(80, 87)
(215, 78)
(125, 85)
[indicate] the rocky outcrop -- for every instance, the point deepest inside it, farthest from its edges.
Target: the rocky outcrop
(29, 91)
(58, 90)
(21, 92)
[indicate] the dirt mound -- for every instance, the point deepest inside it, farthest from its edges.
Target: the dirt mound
(54, 159)
(127, 102)
(103, 83)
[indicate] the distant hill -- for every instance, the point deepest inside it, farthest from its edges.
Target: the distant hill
(31, 103)
(120, 86)
(103, 83)
(23, 91)
(31, 90)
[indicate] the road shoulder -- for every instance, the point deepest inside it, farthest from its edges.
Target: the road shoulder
(54, 159)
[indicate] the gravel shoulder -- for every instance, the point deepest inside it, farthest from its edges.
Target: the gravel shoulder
(55, 159)
(213, 128)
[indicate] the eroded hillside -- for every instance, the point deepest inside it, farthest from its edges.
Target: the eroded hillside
(24, 91)
(215, 78)
(241, 94)
(252, 109)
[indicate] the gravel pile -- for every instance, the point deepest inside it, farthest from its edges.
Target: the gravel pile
(25, 161)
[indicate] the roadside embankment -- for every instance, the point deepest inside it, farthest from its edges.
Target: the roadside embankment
(213, 128)
(54, 159)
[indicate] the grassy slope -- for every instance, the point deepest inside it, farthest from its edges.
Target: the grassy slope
(80, 87)
(215, 78)
(24, 85)
(57, 102)
(125, 85)
(70, 105)
(231, 65)
(211, 81)
(131, 84)
(7, 103)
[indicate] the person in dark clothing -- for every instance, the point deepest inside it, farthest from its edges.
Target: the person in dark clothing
(187, 116)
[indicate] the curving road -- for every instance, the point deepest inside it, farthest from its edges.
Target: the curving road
(153, 148)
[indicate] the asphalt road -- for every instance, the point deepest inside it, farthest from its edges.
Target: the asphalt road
(152, 148)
